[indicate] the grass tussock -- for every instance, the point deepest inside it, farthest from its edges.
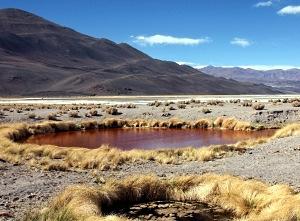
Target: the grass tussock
(258, 106)
(289, 130)
(247, 200)
(105, 157)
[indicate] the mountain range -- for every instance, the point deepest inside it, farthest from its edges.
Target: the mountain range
(41, 58)
(287, 81)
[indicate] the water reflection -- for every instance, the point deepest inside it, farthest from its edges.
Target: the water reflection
(146, 138)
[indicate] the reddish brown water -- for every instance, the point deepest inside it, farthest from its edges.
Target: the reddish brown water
(146, 138)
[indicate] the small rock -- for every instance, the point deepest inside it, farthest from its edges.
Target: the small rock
(5, 213)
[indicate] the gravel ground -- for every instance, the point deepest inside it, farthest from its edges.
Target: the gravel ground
(273, 114)
(22, 188)
(275, 162)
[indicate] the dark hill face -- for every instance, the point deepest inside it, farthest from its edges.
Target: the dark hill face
(41, 58)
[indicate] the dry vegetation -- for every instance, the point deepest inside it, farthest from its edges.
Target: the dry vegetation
(296, 104)
(206, 111)
(112, 111)
(247, 200)
(258, 106)
(105, 157)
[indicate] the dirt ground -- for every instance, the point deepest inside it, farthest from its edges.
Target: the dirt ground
(23, 189)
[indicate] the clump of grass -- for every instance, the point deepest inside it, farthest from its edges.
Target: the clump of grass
(289, 130)
(285, 100)
(206, 111)
(94, 112)
(129, 106)
(235, 101)
(155, 103)
(215, 102)
(247, 103)
(52, 117)
(246, 200)
(168, 103)
(181, 106)
(74, 114)
(32, 116)
(112, 111)
(232, 124)
(5, 109)
(258, 106)
(296, 104)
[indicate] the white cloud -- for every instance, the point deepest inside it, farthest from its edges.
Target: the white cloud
(242, 42)
(166, 39)
(263, 4)
(289, 10)
(185, 63)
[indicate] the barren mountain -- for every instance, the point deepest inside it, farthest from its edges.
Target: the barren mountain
(41, 58)
(284, 80)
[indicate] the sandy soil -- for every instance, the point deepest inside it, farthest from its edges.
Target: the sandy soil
(23, 188)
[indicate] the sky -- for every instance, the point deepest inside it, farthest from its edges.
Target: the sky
(262, 34)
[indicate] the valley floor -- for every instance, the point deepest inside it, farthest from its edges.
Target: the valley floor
(23, 188)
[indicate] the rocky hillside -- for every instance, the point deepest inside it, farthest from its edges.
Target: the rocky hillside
(41, 58)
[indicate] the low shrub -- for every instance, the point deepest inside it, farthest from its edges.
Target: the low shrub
(181, 106)
(93, 112)
(155, 103)
(258, 106)
(52, 117)
(296, 104)
(74, 114)
(247, 104)
(112, 111)
(206, 111)
(32, 116)
(214, 102)
(235, 101)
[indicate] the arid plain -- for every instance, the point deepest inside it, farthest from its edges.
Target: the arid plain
(255, 179)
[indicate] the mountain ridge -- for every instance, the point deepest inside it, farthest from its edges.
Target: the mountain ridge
(284, 80)
(41, 58)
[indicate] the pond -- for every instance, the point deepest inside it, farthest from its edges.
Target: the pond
(146, 138)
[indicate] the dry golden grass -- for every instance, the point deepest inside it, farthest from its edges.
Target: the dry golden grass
(105, 157)
(246, 200)
(289, 130)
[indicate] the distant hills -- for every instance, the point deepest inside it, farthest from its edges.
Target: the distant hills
(41, 58)
(287, 81)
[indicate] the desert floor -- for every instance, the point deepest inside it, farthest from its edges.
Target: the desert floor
(278, 161)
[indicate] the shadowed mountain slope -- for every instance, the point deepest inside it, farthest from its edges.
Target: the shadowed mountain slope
(41, 58)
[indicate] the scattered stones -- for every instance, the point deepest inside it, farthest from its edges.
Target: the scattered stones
(173, 210)
(166, 115)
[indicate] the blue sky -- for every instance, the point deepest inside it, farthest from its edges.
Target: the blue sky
(262, 33)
